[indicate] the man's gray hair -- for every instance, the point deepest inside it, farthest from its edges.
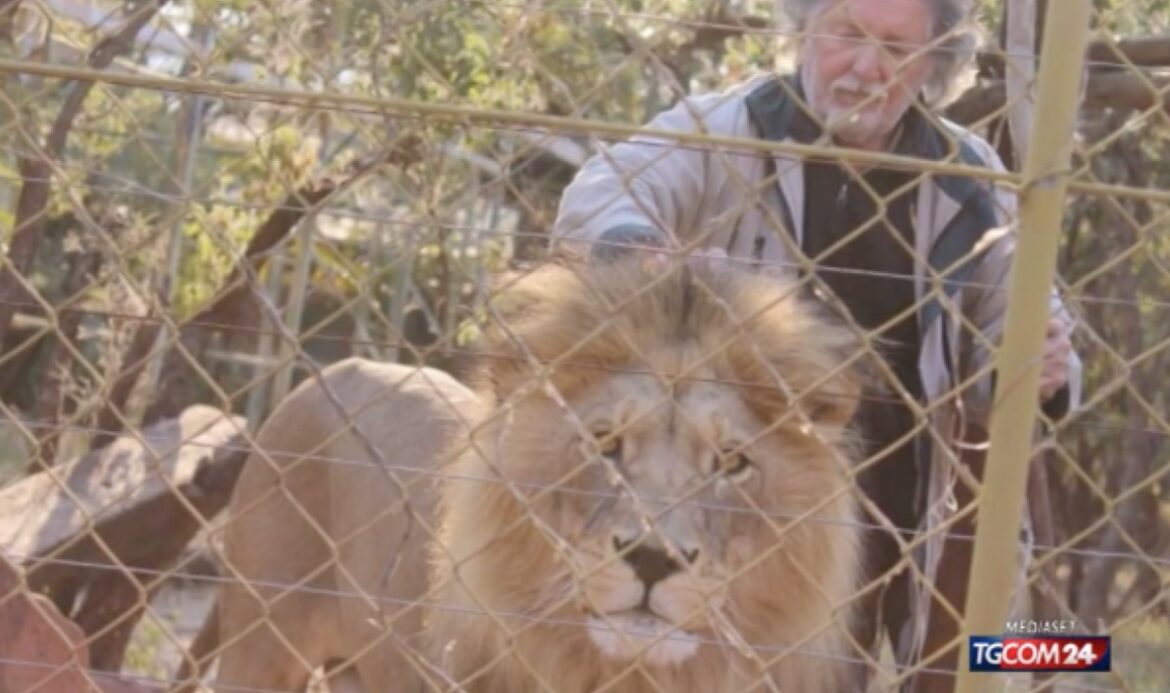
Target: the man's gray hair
(955, 35)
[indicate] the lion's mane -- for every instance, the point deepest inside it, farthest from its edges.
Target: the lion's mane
(557, 334)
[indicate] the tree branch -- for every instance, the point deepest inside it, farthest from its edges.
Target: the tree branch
(1124, 91)
(36, 173)
(234, 302)
(7, 14)
(718, 28)
(404, 153)
(1127, 91)
(1142, 51)
(712, 31)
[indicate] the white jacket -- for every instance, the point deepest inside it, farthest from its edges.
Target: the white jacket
(713, 196)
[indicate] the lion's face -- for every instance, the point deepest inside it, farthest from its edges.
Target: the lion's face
(654, 547)
(664, 507)
(668, 496)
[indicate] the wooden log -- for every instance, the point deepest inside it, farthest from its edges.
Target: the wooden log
(41, 650)
(1123, 91)
(111, 519)
(1112, 54)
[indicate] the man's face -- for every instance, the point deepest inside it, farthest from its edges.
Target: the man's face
(863, 65)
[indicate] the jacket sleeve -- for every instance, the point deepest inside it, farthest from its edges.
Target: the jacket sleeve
(986, 307)
(646, 190)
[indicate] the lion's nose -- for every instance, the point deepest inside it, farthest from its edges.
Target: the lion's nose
(651, 564)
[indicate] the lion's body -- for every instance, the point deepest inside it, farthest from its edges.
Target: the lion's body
(284, 521)
(533, 583)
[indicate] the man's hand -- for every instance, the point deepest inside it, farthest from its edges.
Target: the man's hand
(709, 258)
(1054, 370)
(656, 261)
(624, 240)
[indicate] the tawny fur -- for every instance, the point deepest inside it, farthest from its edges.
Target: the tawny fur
(527, 515)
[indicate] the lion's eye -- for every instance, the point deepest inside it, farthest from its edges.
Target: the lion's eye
(609, 444)
(735, 466)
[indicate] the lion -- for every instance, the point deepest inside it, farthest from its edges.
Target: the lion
(646, 488)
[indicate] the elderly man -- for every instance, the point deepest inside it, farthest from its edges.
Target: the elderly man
(920, 261)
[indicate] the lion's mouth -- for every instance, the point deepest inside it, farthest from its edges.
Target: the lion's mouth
(639, 632)
(642, 616)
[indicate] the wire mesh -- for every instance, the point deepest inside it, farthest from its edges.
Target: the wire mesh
(563, 346)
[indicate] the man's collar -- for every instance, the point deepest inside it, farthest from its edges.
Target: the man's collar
(780, 111)
(804, 128)
(777, 109)
(911, 135)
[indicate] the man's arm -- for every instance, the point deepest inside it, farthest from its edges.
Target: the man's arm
(987, 308)
(643, 192)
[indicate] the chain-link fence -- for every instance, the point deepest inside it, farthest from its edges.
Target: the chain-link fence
(562, 346)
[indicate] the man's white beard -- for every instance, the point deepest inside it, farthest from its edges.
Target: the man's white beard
(853, 126)
(850, 124)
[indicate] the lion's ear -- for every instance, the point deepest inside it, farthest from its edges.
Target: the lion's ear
(502, 360)
(505, 363)
(525, 313)
(834, 403)
(836, 398)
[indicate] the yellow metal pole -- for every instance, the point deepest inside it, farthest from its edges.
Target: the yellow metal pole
(1041, 206)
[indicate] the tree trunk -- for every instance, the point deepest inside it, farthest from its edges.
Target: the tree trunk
(92, 524)
(36, 173)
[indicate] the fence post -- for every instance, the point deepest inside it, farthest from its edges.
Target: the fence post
(1041, 206)
(295, 313)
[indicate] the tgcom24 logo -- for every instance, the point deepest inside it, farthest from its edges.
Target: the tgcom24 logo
(1039, 653)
